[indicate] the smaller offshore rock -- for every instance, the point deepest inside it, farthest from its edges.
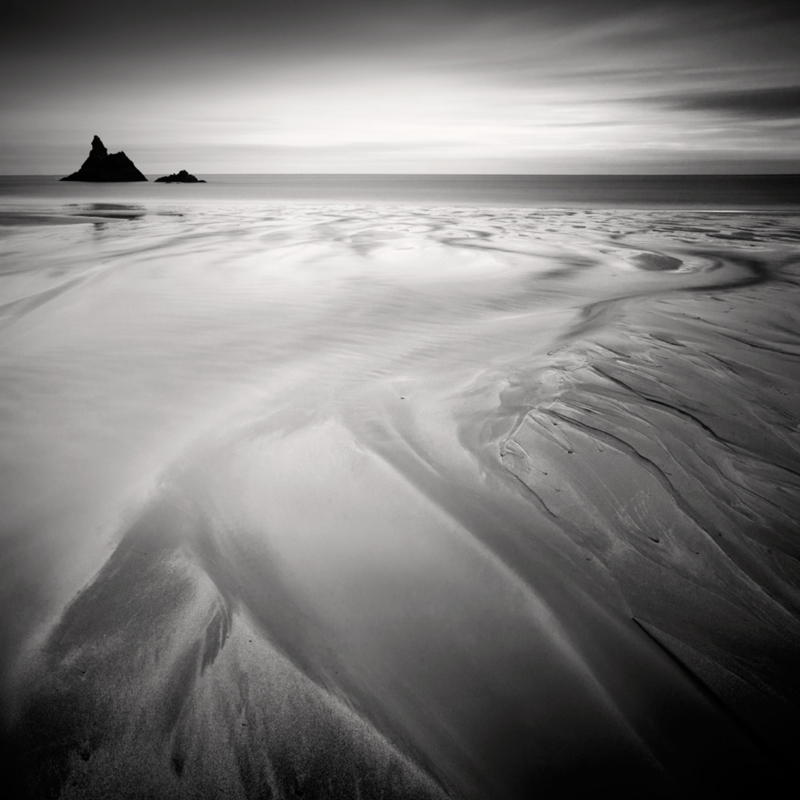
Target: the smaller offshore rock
(179, 177)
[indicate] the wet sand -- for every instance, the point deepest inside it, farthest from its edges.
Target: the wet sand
(357, 501)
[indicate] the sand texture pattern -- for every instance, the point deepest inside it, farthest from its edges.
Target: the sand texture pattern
(388, 502)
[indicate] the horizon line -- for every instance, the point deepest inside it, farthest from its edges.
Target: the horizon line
(452, 175)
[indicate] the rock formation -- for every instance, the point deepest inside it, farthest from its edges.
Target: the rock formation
(105, 167)
(179, 177)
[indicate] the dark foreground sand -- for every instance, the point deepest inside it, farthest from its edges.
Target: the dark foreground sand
(349, 503)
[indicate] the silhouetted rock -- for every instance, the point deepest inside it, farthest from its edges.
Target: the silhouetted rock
(179, 177)
(105, 167)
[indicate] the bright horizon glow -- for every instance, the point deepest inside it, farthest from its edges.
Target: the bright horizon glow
(651, 90)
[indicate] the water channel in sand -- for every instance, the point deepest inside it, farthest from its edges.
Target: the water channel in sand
(360, 499)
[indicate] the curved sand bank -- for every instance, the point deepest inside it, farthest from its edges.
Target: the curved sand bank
(373, 503)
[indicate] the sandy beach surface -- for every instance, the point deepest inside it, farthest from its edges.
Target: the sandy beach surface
(361, 501)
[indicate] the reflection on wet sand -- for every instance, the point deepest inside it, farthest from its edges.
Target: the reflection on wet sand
(368, 502)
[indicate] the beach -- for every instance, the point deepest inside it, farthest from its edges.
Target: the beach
(378, 499)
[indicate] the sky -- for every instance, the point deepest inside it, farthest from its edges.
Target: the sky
(433, 86)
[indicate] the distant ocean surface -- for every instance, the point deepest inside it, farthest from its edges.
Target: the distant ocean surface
(600, 191)
(419, 488)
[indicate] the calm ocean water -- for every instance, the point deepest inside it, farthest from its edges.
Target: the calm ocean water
(632, 191)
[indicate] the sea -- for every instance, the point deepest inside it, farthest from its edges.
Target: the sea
(606, 191)
(400, 486)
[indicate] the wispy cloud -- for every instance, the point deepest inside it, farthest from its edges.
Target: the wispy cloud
(764, 103)
(441, 85)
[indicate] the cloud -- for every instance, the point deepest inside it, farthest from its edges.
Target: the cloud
(781, 102)
(378, 85)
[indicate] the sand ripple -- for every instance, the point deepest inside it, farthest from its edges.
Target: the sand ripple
(351, 501)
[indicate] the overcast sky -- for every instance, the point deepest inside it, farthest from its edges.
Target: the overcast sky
(577, 86)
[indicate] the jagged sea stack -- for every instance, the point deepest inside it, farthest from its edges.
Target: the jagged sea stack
(105, 167)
